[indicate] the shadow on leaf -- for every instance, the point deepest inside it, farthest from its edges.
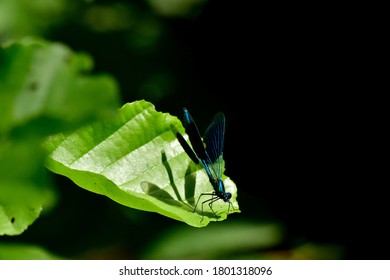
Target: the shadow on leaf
(177, 200)
(158, 193)
(162, 195)
(170, 175)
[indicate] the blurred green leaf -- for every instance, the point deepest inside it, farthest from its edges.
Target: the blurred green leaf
(216, 241)
(25, 18)
(25, 252)
(136, 160)
(176, 8)
(25, 189)
(318, 251)
(47, 83)
(44, 89)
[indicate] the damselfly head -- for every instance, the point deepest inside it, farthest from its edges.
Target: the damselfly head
(226, 196)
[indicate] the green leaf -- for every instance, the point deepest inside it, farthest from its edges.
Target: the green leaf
(25, 189)
(25, 252)
(44, 89)
(46, 83)
(21, 18)
(136, 161)
(223, 240)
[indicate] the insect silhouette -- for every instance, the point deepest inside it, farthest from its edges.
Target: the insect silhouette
(207, 152)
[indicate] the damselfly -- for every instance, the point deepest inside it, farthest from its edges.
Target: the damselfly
(208, 152)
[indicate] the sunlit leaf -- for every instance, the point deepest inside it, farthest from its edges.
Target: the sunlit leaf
(136, 161)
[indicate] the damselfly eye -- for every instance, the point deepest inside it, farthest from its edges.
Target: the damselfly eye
(227, 196)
